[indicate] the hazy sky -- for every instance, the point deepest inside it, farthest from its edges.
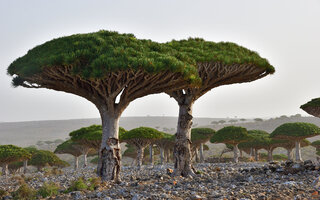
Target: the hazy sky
(286, 32)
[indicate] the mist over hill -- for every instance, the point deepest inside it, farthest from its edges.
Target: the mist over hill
(28, 133)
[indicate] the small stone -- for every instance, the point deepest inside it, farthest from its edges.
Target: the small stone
(135, 197)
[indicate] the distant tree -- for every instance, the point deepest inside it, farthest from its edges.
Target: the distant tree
(214, 122)
(165, 143)
(90, 136)
(199, 136)
(10, 154)
(231, 135)
(297, 132)
(289, 145)
(312, 107)
(100, 67)
(222, 121)
(243, 120)
(141, 137)
(232, 121)
(75, 149)
(42, 158)
(258, 120)
(316, 144)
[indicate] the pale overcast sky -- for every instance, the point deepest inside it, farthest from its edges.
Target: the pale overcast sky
(286, 32)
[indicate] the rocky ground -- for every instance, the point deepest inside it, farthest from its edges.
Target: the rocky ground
(213, 181)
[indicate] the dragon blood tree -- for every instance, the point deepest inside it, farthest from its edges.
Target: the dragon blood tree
(89, 137)
(233, 135)
(218, 64)
(165, 143)
(42, 158)
(73, 148)
(141, 137)
(316, 144)
(108, 69)
(312, 107)
(10, 154)
(200, 136)
(15, 166)
(296, 132)
(289, 145)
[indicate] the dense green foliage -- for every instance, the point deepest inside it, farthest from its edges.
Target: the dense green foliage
(69, 147)
(260, 140)
(141, 133)
(297, 130)
(316, 143)
(48, 190)
(92, 55)
(313, 103)
(230, 135)
(201, 134)
(197, 50)
(89, 134)
(41, 158)
(11, 153)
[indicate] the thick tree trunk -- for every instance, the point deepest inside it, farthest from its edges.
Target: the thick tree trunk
(25, 165)
(289, 154)
(251, 152)
(256, 155)
(161, 156)
(140, 156)
(201, 153)
(182, 152)
(236, 153)
(110, 155)
(168, 156)
(270, 157)
(151, 154)
(5, 170)
(85, 160)
(76, 162)
(196, 152)
(241, 153)
(298, 152)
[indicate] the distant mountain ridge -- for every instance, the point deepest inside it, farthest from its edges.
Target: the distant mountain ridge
(28, 133)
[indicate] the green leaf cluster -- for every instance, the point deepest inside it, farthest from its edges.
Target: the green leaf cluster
(48, 190)
(90, 133)
(42, 158)
(11, 153)
(230, 135)
(297, 130)
(201, 134)
(313, 103)
(141, 133)
(69, 147)
(92, 55)
(260, 139)
(197, 50)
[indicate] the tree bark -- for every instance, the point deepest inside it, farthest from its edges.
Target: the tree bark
(110, 155)
(25, 165)
(161, 156)
(76, 162)
(168, 155)
(270, 157)
(201, 153)
(256, 155)
(251, 152)
(298, 152)
(236, 153)
(151, 154)
(182, 152)
(140, 156)
(5, 170)
(85, 160)
(196, 152)
(241, 153)
(289, 154)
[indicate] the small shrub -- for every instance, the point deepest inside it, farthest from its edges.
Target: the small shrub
(78, 185)
(93, 183)
(3, 193)
(24, 193)
(19, 179)
(48, 190)
(280, 157)
(56, 171)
